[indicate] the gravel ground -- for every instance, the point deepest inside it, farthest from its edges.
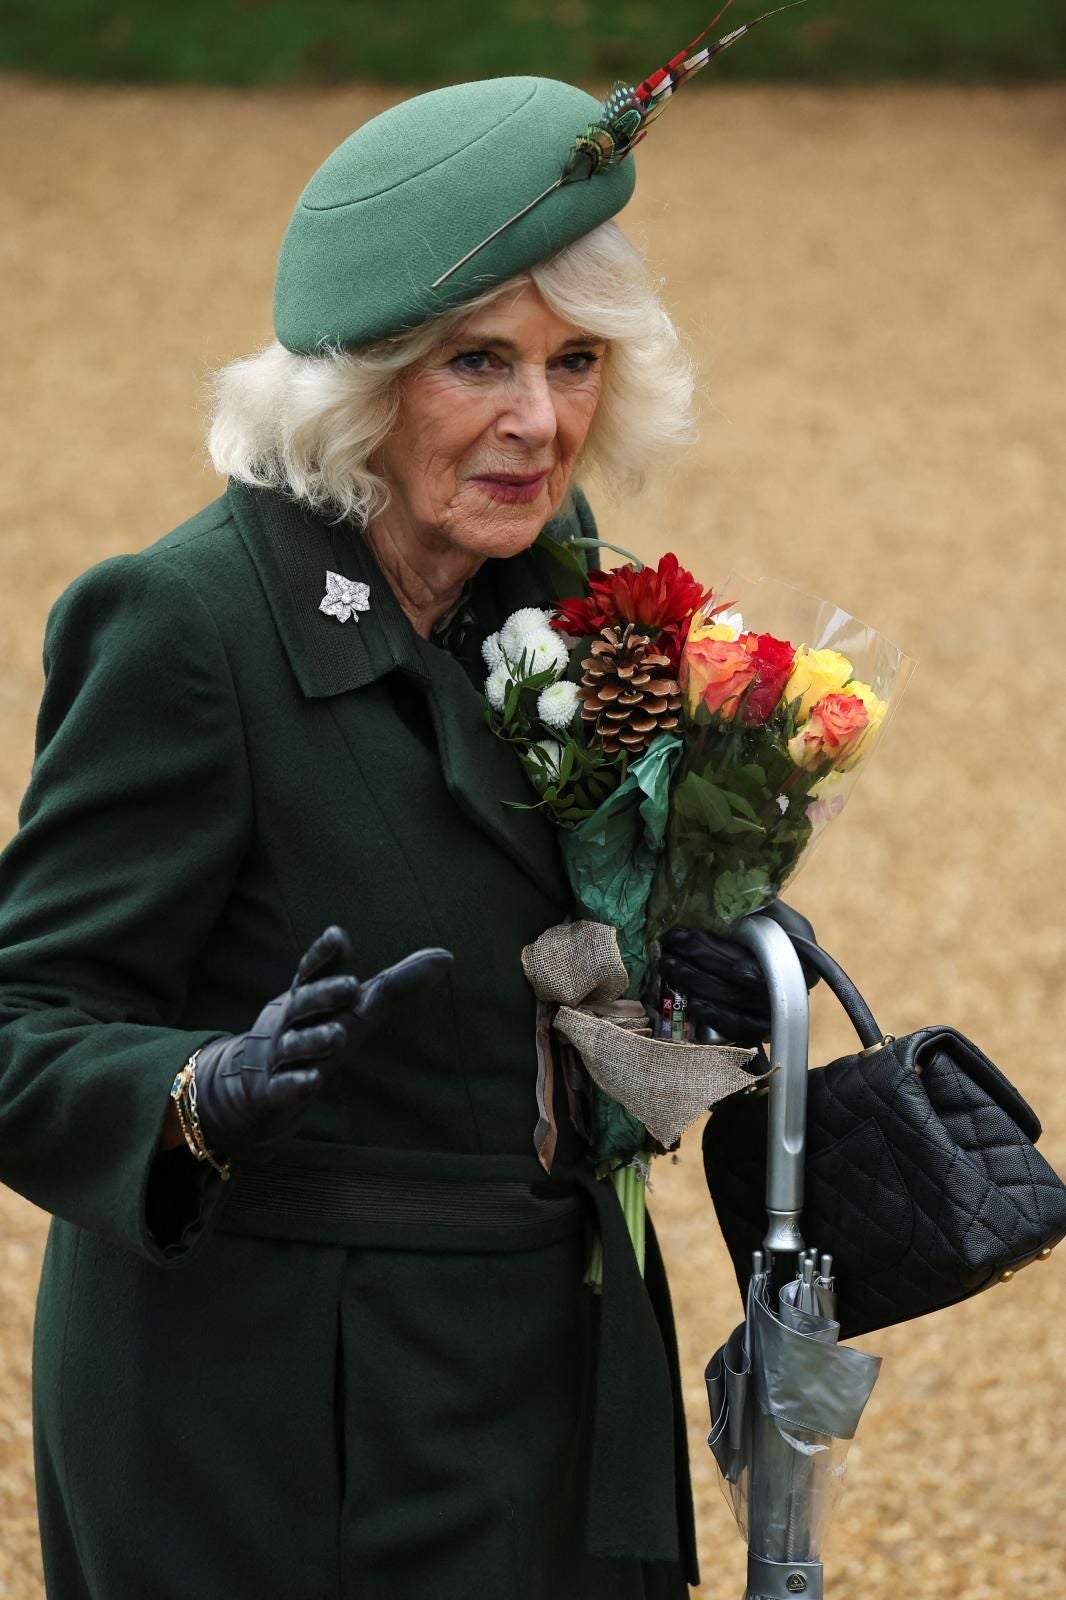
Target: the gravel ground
(872, 285)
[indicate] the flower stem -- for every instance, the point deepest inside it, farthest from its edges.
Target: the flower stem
(629, 1184)
(641, 1219)
(594, 1270)
(602, 544)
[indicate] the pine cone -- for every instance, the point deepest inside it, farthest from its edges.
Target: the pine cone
(627, 691)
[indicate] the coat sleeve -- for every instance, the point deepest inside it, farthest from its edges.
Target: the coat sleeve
(131, 832)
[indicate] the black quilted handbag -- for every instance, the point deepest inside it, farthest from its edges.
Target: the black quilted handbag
(921, 1175)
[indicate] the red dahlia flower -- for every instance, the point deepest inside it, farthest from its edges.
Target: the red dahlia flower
(661, 598)
(580, 616)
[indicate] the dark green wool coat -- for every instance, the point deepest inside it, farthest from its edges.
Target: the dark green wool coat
(398, 1414)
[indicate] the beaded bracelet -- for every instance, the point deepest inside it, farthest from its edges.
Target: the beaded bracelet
(183, 1094)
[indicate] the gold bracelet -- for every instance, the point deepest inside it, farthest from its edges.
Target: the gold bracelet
(183, 1094)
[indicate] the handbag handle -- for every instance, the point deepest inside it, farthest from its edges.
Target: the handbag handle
(976, 1064)
(836, 979)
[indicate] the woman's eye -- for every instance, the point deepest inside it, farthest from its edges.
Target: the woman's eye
(578, 360)
(472, 361)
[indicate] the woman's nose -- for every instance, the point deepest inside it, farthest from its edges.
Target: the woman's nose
(529, 415)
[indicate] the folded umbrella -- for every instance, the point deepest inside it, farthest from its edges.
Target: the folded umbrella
(785, 1395)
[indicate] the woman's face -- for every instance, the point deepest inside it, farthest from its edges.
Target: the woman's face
(490, 424)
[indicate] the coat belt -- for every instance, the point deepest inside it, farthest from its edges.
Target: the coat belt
(427, 1201)
(375, 1211)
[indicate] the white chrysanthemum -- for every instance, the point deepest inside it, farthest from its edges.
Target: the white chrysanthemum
(543, 649)
(496, 686)
(551, 753)
(557, 704)
(492, 652)
(730, 619)
(513, 634)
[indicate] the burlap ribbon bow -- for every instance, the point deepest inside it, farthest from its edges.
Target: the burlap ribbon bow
(577, 968)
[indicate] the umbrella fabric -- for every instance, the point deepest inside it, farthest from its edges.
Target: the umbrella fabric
(785, 1398)
(808, 1295)
(728, 1375)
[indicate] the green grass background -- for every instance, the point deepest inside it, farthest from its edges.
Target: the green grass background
(430, 41)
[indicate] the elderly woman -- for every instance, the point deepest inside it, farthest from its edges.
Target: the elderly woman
(312, 1320)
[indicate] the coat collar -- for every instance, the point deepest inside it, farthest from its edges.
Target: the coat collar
(292, 550)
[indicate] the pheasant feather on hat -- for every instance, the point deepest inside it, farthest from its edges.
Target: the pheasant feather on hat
(624, 119)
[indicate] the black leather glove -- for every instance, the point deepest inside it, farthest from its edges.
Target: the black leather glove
(253, 1088)
(722, 980)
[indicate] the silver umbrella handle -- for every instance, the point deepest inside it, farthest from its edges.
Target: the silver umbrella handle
(789, 1032)
(781, 1580)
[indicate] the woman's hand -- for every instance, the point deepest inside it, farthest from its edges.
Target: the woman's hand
(723, 981)
(253, 1088)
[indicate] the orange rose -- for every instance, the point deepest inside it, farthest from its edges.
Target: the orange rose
(716, 673)
(831, 732)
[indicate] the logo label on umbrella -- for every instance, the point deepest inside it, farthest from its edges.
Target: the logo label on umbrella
(795, 1583)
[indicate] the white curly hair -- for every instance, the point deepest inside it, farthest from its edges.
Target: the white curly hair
(310, 425)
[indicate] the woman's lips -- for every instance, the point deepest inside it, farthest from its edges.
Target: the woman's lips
(513, 488)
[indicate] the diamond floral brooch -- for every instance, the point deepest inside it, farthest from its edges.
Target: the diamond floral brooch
(344, 597)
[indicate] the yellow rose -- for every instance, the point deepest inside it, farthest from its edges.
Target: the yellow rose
(875, 711)
(815, 674)
(875, 706)
(703, 626)
(716, 630)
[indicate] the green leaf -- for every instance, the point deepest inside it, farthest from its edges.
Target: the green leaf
(742, 825)
(536, 681)
(565, 556)
(739, 892)
(738, 803)
(696, 800)
(616, 1135)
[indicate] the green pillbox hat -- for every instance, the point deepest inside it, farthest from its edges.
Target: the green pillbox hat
(413, 190)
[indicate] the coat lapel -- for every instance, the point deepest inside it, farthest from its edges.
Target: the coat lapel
(292, 550)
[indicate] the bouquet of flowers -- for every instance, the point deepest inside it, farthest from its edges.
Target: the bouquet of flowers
(690, 749)
(779, 719)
